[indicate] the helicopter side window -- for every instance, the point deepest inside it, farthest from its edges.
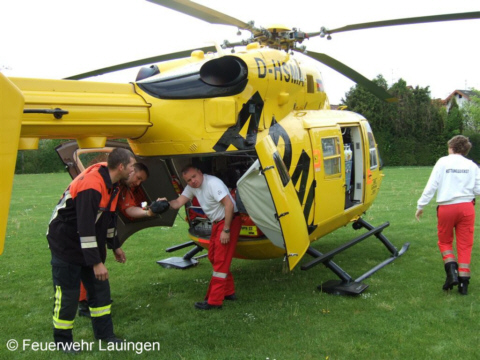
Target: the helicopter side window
(281, 168)
(373, 150)
(310, 84)
(331, 156)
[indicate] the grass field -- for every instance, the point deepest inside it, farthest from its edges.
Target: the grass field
(403, 314)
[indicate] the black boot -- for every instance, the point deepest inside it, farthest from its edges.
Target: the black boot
(83, 309)
(451, 269)
(64, 341)
(103, 327)
(463, 285)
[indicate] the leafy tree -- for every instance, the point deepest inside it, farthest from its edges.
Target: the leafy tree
(474, 153)
(43, 160)
(409, 132)
(46, 160)
(472, 112)
(454, 121)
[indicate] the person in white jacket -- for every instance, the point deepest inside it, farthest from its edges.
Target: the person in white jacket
(456, 180)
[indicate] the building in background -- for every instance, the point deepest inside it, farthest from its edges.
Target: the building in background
(460, 96)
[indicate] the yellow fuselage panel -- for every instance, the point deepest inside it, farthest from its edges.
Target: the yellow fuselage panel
(322, 195)
(283, 98)
(276, 85)
(94, 109)
(276, 81)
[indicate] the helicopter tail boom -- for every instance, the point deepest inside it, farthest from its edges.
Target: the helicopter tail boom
(90, 112)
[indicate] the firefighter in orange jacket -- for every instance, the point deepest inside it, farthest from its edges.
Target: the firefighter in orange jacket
(130, 197)
(132, 194)
(82, 224)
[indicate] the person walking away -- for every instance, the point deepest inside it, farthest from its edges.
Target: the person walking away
(456, 180)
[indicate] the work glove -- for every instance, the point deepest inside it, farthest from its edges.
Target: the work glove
(159, 207)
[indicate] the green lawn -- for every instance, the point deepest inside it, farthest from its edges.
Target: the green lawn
(403, 314)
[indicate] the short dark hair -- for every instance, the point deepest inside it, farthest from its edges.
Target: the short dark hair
(188, 167)
(460, 145)
(141, 167)
(119, 156)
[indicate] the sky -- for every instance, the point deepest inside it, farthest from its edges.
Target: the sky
(59, 38)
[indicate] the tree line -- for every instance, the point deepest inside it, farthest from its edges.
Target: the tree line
(414, 131)
(411, 132)
(41, 161)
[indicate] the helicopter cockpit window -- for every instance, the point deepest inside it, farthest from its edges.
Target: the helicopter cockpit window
(224, 76)
(331, 156)
(310, 84)
(281, 168)
(373, 150)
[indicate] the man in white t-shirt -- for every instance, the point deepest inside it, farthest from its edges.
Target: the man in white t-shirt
(456, 180)
(220, 207)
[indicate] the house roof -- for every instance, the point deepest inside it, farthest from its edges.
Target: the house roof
(464, 93)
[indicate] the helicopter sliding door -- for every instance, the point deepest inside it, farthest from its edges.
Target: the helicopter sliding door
(354, 165)
(374, 177)
(329, 174)
(272, 202)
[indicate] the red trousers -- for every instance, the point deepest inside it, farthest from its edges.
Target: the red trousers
(221, 255)
(458, 219)
(83, 293)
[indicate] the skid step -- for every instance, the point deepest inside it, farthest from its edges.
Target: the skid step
(177, 262)
(338, 287)
(347, 285)
(188, 260)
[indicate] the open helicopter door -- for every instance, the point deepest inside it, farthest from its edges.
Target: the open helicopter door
(270, 199)
(158, 184)
(11, 108)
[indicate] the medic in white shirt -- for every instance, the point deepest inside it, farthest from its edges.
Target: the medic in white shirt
(217, 203)
(456, 180)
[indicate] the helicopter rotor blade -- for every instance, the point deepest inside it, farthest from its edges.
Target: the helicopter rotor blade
(202, 12)
(131, 64)
(396, 22)
(356, 77)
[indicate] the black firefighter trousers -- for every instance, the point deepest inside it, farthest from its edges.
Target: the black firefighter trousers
(66, 284)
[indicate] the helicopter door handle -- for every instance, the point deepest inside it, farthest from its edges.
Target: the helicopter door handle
(281, 215)
(268, 168)
(57, 112)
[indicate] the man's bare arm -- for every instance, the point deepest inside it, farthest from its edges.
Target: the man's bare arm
(178, 202)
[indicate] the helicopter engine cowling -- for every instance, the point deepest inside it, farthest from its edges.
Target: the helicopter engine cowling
(224, 76)
(224, 71)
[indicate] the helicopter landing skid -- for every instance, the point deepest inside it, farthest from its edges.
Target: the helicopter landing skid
(184, 262)
(347, 285)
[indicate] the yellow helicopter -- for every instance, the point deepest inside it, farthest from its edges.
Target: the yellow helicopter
(258, 117)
